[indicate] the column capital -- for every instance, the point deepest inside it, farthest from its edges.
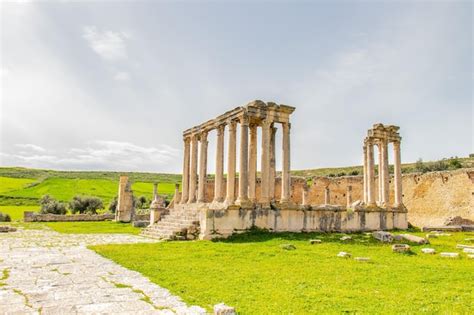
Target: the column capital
(187, 139)
(244, 119)
(203, 135)
(220, 129)
(232, 125)
(396, 144)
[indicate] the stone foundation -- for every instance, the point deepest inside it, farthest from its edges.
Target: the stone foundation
(30, 216)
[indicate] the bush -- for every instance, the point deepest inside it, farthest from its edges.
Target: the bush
(355, 173)
(5, 217)
(113, 204)
(50, 205)
(80, 204)
(420, 166)
(455, 164)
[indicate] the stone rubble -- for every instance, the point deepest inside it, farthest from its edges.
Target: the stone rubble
(362, 259)
(383, 236)
(414, 239)
(52, 273)
(449, 255)
(312, 242)
(400, 248)
(344, 255)
(222, 309)
(428, 251)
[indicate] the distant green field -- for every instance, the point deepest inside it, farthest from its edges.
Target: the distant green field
(16, 212)
(10, 184)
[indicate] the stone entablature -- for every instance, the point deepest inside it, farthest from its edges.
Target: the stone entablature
(256, 114)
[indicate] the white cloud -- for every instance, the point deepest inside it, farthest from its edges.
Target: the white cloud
(107, 44)
(99, 154)
(31, 147)
(122, 76)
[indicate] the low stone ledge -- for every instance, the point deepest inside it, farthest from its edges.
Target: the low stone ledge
(30, 216)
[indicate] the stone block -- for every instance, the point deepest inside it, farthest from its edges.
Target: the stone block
(414, 239)
(462, 246)
(470, 256)
(468, 250)
(288, 246)
(428, 251)
(141, 224)
(7, 229)
(344, 255)
(449, 255)
(362, 259)
(400, 248)
(346, 238)
(222, 309)
(383, 236)
(312, 242)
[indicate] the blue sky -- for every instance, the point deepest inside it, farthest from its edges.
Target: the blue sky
(112, 85)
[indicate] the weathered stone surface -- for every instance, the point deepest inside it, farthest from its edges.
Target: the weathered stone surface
(344, 255)
(400, 248)
(461, 246)
(140, 224)
(428, 251)
(383, 236)
(29, 216)
(6, 229)
(470, 256)
(458, 220)
(346, 238)
(288, 246)
(449, 255)
(415, 239)
(362, 259)
(52, 273)
(454, 228)
(222, 309)
(316, 241)
(468, 250)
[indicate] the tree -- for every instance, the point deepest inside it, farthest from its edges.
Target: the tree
(87, 204)
(50, 205)
(113, 204)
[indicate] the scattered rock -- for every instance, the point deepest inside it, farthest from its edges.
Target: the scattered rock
(449, 255)
(141, 224)
(470, 256)
(400, 248)
(222, 309)
(362, 258)
(461, 246)
(315, 242)
(469, 239)
(468, 250)
(454, 228)
(458, 220)
(428, 251)
(288, 246)
(6, 229)
(383, 236)
(346, 238)
(397, 238)
(415, 239)
(344, 255)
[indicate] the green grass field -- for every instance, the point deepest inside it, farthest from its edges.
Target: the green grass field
(254, 274)
(16, 212)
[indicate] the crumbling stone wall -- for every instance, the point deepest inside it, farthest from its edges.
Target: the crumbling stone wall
(430, 198)
(29, 216)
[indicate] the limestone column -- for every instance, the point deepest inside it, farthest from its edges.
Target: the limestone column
(365, 174)
(370, 175)
(265, 164)
(155, 191)
(231, 160)
(285, 173)
(176, 192)
(327, 196)
(349, 196)
(380, 175)
(385, 174)
(193, 172)
(397, 174)
(243, 198)
(253, 163)
(272, 162)
(185, 180)
(202, 167)
(218, 192)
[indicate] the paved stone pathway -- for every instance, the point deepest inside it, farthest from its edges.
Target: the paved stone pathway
(45, 272)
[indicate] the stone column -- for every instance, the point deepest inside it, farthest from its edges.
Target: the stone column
(218, 192)
(365, 174)
(243, 199)
(272, 162)
(202, 167)
(193, 172)
(380, 175)
(265, 164)
(176, 192)
(231, 160)
(155, 191)
(253, 163)
(185, 180)
(285, 173)
(327, 196)
(385, 174)
(349, 196)
(397, 174)
(370, 175)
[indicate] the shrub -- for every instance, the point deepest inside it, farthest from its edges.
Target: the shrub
(141, 202)
(420, 166)
(50, 205)
(455, 163)
(86, 204)
(355, 172)
(5, 217)
(113, 204)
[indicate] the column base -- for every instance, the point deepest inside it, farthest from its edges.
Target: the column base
(244, 203)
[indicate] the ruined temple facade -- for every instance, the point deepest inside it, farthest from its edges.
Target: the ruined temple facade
(274, 201)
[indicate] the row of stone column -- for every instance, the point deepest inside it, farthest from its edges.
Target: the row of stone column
(247, 168)
(384, 174)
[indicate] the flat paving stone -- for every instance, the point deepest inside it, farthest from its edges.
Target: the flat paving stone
(42, 271)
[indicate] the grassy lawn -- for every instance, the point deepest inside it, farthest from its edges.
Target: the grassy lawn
(254, 274)
(16, 212)
(108, 227)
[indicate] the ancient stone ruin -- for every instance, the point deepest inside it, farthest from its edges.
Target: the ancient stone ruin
(274, 200)
(125, 210)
